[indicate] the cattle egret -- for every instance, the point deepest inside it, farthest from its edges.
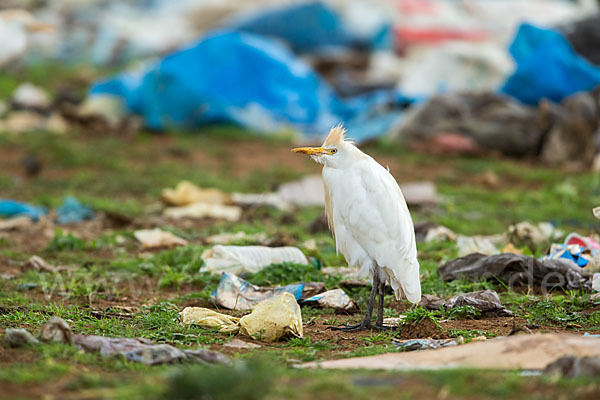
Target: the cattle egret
(369, 219)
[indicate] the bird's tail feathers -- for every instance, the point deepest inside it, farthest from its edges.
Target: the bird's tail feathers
(405, 280)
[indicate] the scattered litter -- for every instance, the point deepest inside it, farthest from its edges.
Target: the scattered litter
(583, 241)
(336, 299)
(72, 212)
(419, 193)
(169, 95)
(572, 252)
(186, 193)
(226, 238)
(209, 319)
(145, 351)
(425, 344)
(470, 122)
(526, 234)
(530, 352)
(15, 223)
(241, 260)
(56, 330)
(273, 319)
(262, 199)
(440, 233)
(234, 293)
(204, 210)
(475, 244)
(308, 191)
(17, 337)
(393, 322)
(39, 264)
(157, 238)
(11, 208)
(350, 274)
(520, 270)
(596, 282)
(574, 367)
(240, 344)
(596, 212)
(542, 54)
(486, 301)
(29, 96)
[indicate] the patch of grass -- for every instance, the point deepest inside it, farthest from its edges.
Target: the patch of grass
(249, 380)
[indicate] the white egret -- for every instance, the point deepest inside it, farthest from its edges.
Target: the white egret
(369, 219)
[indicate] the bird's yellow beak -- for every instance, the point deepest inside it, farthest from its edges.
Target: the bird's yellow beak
(311, 150)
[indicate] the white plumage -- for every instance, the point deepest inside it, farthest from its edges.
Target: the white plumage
(368, 216)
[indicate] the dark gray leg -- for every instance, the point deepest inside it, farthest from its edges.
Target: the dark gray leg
(366, 323)
(379, 321)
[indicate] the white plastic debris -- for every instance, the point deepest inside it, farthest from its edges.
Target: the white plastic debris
(186, 193)
(475, 244)
(308, 191)
(15, 223)
(28, 95)
(56, 330)
(39, 264)
(225, 238)
(596, 212)
(17, 337)
(440, 233)
(596, 282)
(204, 210)
(240, 344)
(157, 238)
(336, 299)
(248, 259)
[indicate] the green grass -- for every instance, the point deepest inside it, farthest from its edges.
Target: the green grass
(126, 176)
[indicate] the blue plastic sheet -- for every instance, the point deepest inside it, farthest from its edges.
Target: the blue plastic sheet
(13, 208)
(547, 67)
(72, 211)
(252, 81)
(310, 27)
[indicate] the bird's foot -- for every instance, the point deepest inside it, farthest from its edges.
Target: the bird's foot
(360, 327)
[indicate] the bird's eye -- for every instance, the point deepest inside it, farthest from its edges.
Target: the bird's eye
(333, 151)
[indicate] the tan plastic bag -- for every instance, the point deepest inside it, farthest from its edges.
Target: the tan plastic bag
(209, 319)
(273, 319)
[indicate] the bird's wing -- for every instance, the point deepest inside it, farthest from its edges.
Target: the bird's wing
(328, 209)
(372, 208)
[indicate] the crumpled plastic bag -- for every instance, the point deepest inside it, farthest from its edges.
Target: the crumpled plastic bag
(235, 293)
(574, 367)
(11, 208)
(209, 319)
(204, 210)
(72, 211)
(145, 351)
(336, 299)
(56, 330)
(273, 319)
(248, 259)
(425, 344)
(475, 244)
(486, 301)
(186, 193)
(157, 238)
(516, 269)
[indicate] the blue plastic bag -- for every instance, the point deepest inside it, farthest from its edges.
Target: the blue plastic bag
(13, 208)
(250, 80)
(72, 211)
(547, 67)
(310, 27)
